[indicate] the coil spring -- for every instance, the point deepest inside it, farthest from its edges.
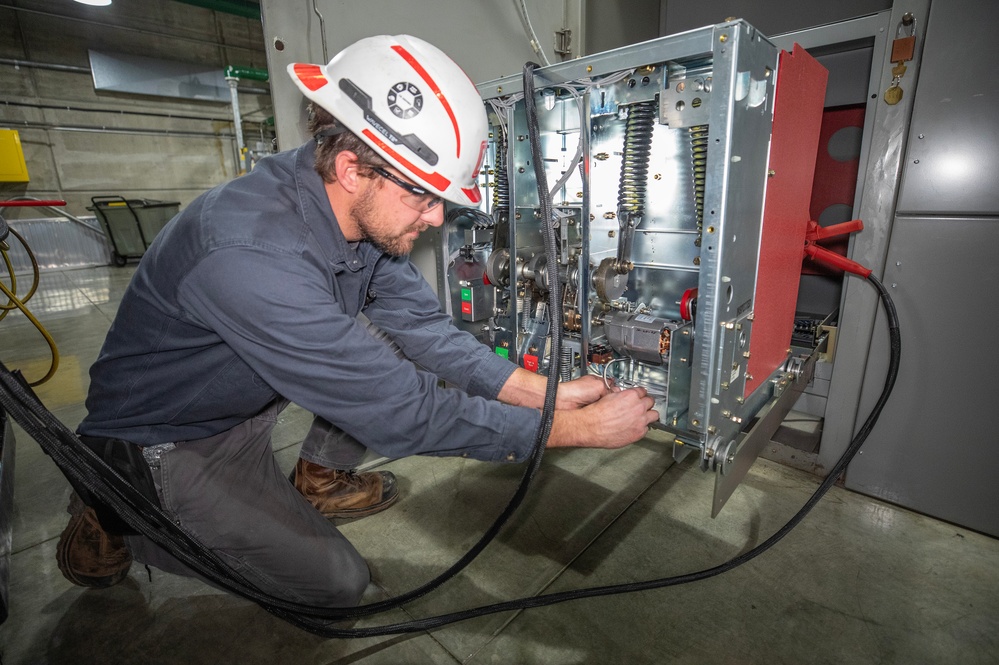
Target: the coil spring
(699, 155)
(565, 373)
(635, 159)
(524, 309)
(501, 189)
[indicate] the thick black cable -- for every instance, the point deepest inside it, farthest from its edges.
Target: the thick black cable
(81, 464)
(39, 424)
(592, 592)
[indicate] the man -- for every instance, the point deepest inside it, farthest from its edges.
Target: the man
(249, 299)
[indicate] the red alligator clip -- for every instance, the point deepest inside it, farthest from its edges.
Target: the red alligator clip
(832, 259)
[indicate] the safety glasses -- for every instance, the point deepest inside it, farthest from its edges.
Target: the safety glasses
(418, 198)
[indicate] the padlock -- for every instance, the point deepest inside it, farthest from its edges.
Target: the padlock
(902, 49)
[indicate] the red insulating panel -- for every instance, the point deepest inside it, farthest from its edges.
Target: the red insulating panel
(800, 94)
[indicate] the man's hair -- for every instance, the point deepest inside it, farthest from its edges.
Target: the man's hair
(333, 139)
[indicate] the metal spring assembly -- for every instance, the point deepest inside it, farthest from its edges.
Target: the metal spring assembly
(699, 155)
(635, 159)
(501, 190)
(634, 174)
(565, 373)
(524, 308)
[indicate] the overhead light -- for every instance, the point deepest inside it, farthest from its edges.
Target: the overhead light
(95, 3)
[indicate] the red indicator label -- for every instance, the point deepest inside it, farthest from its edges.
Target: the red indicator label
(531, 363)
(466, 307)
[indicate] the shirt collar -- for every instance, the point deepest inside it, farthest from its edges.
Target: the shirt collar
(318, 215)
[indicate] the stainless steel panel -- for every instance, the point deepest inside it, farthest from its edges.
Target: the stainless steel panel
(934, 449)
(135, 74)
(58, 243)
(952, 164)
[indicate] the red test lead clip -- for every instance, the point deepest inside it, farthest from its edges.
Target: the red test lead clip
(832, 259)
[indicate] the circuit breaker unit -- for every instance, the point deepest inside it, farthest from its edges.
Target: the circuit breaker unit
(680, 172)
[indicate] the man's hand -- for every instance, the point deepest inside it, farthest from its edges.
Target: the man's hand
(580, 392)
(613, 421)
(525, 388)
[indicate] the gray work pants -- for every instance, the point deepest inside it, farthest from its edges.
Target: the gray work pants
(228, 491)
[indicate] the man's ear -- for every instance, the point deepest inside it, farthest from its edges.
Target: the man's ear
(348, 171)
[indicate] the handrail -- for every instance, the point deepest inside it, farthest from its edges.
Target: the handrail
(62, 213)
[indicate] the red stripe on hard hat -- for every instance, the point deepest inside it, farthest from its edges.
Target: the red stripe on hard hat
(436, 180)
(311, 76)
(408, 57)
(473, 194)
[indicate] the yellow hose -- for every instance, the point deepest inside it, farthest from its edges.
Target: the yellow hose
(14, 302)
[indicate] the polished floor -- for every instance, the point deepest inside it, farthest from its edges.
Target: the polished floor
(859, 581)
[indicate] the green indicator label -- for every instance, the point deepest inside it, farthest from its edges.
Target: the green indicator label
(466, 294)
(500, 351)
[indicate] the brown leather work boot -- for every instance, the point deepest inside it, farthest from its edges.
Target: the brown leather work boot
(87, 555)
(337, 493)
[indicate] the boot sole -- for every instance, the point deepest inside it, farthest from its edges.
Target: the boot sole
(354, 513)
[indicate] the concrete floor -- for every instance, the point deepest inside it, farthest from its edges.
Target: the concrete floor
(859, 581)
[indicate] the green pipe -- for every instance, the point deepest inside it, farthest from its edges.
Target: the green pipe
(244, 8)
(232, 72)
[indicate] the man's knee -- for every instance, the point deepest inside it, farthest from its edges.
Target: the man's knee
(339, 581)
(355, 581)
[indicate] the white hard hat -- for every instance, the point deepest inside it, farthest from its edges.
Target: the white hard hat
(412, 104)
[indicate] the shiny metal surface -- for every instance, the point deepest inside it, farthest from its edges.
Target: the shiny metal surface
(666, 199)
(952, 158)
(58, 243)
(738, 455)
(119, 72)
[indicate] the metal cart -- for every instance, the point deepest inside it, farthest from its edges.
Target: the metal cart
(131, 224)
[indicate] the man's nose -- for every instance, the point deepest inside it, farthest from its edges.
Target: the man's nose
(434, 216)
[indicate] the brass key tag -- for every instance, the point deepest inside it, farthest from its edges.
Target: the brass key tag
(893, 95)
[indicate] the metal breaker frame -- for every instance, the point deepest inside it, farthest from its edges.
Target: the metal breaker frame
(660, 158)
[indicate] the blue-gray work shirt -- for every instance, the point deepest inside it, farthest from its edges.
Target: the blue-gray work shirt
(252, 292)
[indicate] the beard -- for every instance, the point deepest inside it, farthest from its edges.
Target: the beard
(379, 231)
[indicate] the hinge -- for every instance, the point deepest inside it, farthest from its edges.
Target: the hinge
(563, 42)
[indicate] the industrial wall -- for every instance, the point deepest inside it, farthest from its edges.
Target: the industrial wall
(79, 142)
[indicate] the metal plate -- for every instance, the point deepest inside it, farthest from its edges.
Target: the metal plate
(952, 164)
(934, 448)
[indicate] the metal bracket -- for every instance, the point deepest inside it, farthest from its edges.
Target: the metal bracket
(738, 458)
(563, 42)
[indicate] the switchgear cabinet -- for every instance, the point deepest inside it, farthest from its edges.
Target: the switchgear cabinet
(680, 173)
